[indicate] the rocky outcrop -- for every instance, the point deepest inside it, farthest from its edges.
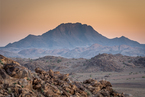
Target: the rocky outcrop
(18, 81)
(5, 60)
(104, 62)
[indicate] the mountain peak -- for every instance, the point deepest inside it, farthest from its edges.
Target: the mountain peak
(30, 35)
(74, 28)
(77, 23)
(72, 24)
(122, 37)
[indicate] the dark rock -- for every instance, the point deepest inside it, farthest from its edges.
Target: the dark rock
(16, 71)
(3, 74)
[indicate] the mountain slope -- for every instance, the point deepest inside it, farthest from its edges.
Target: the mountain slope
(73, 35)
(70, 35)
(125, 41)
(31, 41)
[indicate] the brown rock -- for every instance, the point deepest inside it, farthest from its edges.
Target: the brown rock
(88, 81)
(74, 87)
(105, 93)
(57, 72)
(49, 93)
(65, 93)
(96, 90)
(98, 95)
(38, 86)
(40, 71)
(3, 74)
(105, 84)
(36, 83)
(23, 82)
(55, 89)
(16, 71)
(42, 76)
(64, 77)
(27, 93)
(51, 73)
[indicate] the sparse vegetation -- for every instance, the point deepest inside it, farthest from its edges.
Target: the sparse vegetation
(109, 74)
(28, 78)
(129, 61)
(90, 75)
(42, 90)
(58, 61)
(88, 93)
(1, 62)
(14, 83)
(130, 73)
(9, 90)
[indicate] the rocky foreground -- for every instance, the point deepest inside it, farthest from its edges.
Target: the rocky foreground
(18, 81)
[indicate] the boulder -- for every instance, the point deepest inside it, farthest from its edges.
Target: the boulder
(16, 71)
(40, 71)
(3, 74)
(51, 73)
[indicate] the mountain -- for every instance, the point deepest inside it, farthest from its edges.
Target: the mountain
(72, 40)
(80, 52)
(67, 35)
(70, 36)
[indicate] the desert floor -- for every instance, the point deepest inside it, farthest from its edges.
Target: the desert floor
(131, 81)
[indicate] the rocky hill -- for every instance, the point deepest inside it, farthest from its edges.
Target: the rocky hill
(18, 81)
(70, 35)
(101, 62)
(109, 62)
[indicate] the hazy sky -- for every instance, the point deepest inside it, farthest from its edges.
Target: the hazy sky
(111, 18)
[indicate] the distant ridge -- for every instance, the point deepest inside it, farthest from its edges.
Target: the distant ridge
(71, 35)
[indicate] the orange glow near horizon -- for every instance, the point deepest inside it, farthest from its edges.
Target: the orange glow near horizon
(111, 18)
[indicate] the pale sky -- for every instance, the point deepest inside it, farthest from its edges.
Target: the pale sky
(111, 18)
